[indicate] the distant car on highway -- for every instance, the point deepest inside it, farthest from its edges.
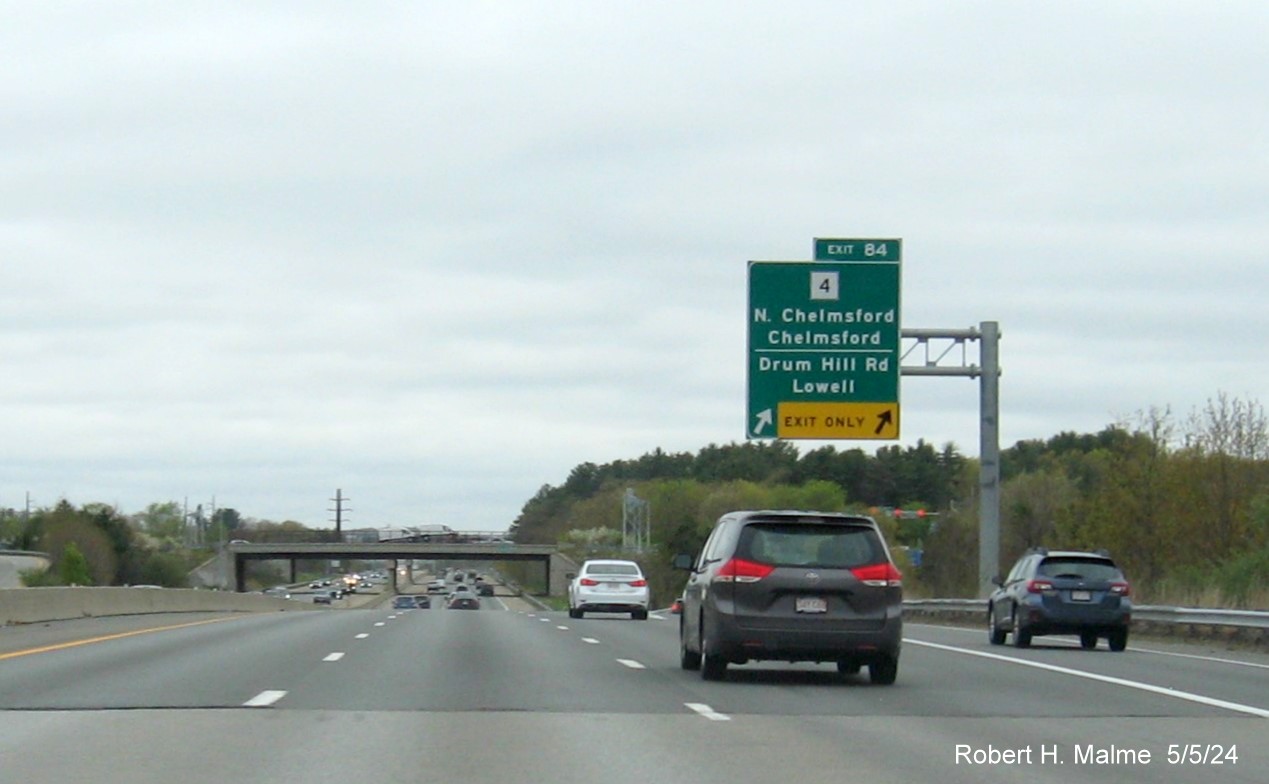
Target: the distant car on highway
(1061, 592)
(609, 585)
(463, 600)
(792, 586)
(403, 603)
(321, 598)
(423, 601)
(437, 586)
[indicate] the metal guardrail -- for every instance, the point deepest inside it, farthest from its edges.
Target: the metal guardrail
(1248, 619)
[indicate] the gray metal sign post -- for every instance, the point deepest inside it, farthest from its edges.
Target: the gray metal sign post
(941, 345)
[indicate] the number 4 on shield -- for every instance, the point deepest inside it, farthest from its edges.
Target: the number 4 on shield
(824, 285)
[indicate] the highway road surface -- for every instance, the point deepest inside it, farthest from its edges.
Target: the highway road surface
(507, 694)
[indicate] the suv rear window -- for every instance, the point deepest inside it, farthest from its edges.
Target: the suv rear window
(1080, 568)
(824, 546)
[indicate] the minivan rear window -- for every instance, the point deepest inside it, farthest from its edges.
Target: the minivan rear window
(800, 544)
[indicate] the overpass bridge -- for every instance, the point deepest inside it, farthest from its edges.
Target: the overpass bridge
(554, 564)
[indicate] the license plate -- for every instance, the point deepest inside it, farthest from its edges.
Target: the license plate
(613, 586)
(1081, 596)
(811, 604)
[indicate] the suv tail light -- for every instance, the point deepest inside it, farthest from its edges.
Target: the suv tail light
(738, 570)
(1121, 589)
(1039, 586)
(882, 575)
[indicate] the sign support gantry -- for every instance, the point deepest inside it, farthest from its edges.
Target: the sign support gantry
(937, 346)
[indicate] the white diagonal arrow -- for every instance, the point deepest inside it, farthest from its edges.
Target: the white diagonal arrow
(764, 419)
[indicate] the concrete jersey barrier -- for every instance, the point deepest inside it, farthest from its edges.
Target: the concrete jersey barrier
(33, 605)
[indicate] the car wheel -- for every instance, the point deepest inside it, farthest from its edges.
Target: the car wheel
(1088, 640)
(1118, 639)
(573, 612)
(713, 666)
(1021, 635)
(639, 615)
(995, 635)
(847, 666)
(688, 660)
(883, 671)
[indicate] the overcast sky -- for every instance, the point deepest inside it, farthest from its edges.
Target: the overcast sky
(436, 254)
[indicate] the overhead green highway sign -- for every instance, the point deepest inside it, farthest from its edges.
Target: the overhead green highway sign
(857, 250)
(824, 345)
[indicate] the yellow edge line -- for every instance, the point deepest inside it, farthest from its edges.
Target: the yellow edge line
(89, 641)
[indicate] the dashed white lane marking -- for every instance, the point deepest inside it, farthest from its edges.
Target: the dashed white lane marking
(632, 664)
(334, 656)
(1092, 676)
(707, 711)
(544, 620)
(590, 641)
(362, 636)
(380, 623)
(264, 699)
(562, 628)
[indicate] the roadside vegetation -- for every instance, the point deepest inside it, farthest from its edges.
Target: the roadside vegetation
(1183, 505)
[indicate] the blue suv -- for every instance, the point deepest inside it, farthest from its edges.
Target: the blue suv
(1061, 592)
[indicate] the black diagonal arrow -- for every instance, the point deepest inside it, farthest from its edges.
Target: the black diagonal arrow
(883, 420)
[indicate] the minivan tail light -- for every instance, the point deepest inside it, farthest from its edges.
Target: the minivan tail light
(738, 570)
(1121, 589)
(1039, 586)
(882, 575)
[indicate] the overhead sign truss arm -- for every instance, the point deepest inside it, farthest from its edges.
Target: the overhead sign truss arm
(938, 351)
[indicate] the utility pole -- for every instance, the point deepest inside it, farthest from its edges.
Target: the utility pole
(339, 510)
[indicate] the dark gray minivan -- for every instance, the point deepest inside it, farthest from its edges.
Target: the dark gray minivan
(792, 586)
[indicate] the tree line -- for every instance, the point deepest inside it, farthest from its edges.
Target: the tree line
(97, 544)
(1183, 505)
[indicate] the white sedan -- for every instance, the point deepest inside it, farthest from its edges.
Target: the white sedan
(609, 586)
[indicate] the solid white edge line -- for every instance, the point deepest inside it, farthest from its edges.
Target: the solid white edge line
(1180, 695)
(1134, 647)
(632, 664)
(707, 711)
(1216, 659)
(264, 699)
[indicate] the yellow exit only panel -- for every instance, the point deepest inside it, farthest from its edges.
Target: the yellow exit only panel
(837, 420)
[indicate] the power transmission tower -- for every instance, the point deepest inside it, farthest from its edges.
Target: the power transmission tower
(635, 525)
